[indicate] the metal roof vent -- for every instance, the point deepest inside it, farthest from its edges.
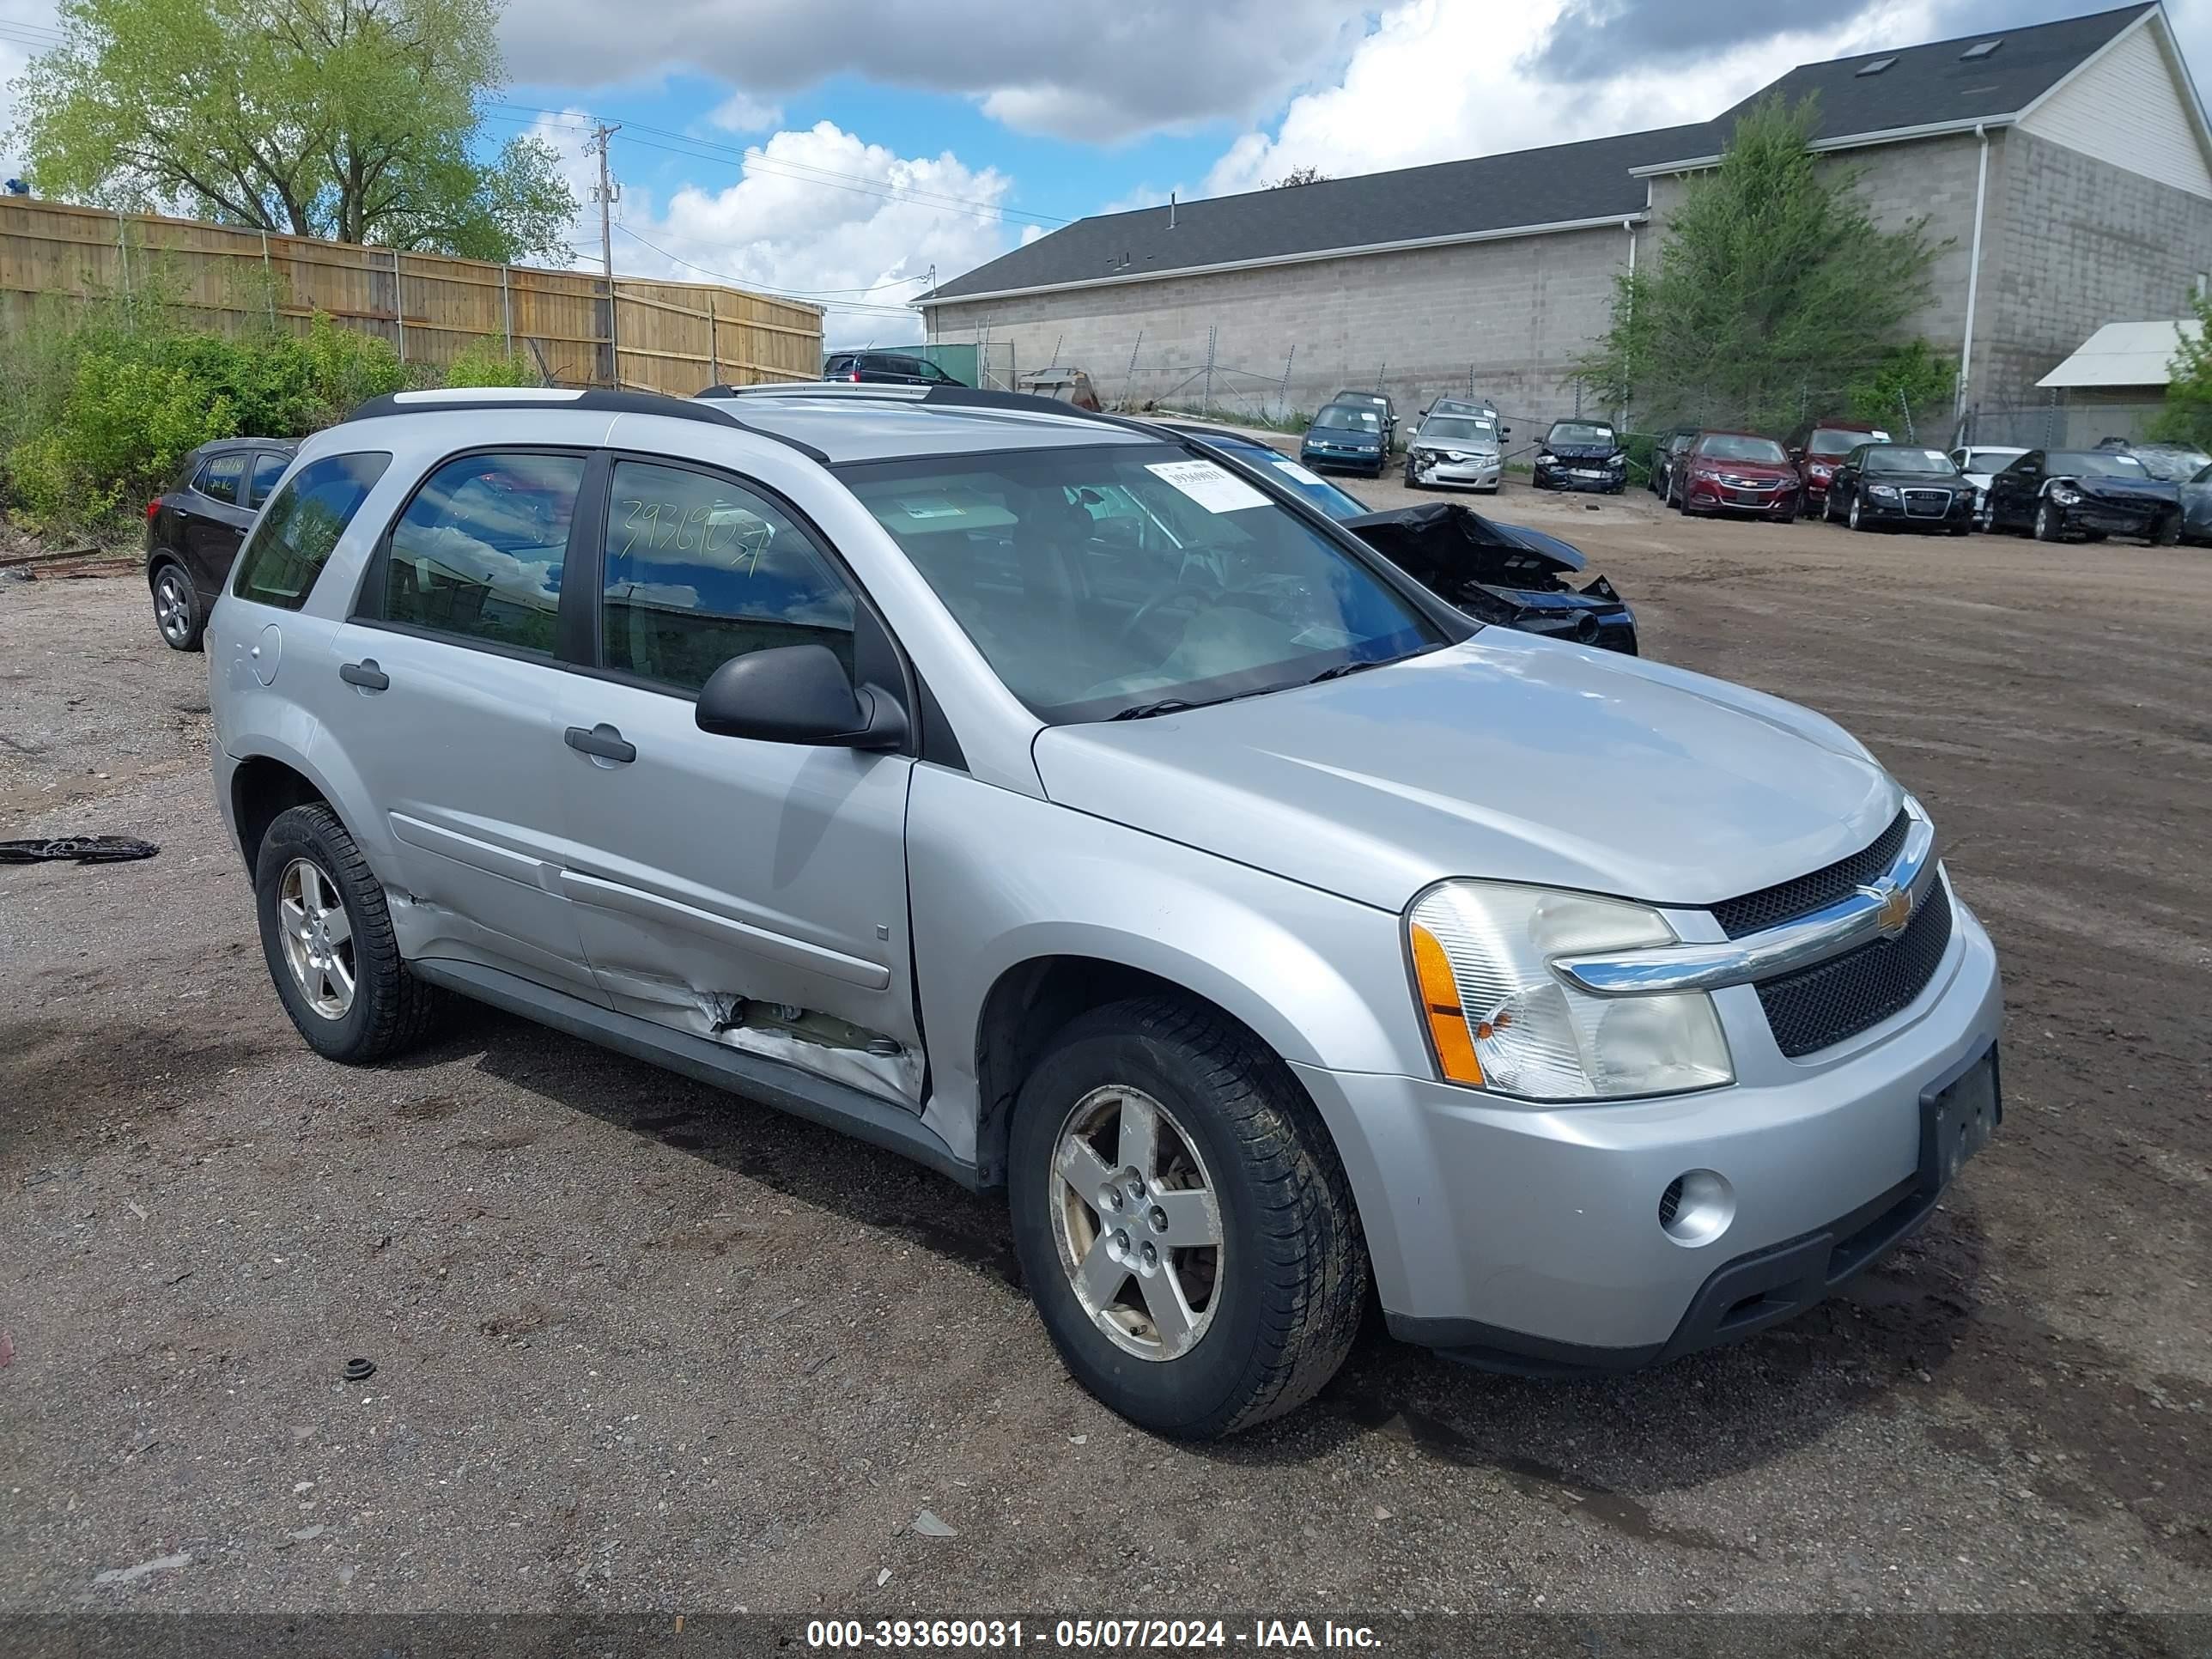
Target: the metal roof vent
(1875, 67)
(1980, 49)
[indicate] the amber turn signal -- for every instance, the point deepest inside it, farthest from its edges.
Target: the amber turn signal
(1440, 1006)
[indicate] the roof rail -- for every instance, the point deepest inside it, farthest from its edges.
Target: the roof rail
(1024, 402)
(590, 400)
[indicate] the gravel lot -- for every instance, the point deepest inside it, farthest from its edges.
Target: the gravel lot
(641, 1346)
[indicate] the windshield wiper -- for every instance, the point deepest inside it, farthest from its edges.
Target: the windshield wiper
(1144, 711)
(1344, 668)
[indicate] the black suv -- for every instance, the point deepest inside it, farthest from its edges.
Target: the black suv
(885, 369)
(194, 528)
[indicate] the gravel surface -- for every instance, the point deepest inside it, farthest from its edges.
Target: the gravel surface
(638, 1346)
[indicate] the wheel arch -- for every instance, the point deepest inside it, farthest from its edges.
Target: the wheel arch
(264, 786)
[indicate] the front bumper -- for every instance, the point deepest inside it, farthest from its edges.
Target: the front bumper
(1580, 475)
(1705, 496)
(1529, 1237)
(1345, 460)
(1463, 475)
(1960, 515)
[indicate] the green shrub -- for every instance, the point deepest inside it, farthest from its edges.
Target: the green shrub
(490, 362)
(122, 432)
(350, 367)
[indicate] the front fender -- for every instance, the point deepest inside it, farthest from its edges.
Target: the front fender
(999, 879)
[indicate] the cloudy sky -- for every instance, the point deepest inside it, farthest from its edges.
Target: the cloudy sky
(845, 149)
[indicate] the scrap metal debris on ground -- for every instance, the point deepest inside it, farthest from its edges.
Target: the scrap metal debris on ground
(85, 849)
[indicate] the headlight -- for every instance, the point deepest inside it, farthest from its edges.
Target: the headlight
(1545, 457)
(1500, 1018)
(1882, 492)
(2066, 497)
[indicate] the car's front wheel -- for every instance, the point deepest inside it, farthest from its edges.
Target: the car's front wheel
(177, 611)
(1857, 520)
(1183, 1220)
(2049, 526)
(326, 932)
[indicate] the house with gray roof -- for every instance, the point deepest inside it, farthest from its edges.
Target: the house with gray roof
(2066, 166)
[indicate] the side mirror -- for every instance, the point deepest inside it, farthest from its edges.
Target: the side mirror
(1505, 431)
(1796, 453)
(798, 694)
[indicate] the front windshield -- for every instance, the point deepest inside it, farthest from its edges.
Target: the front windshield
(1732, 446)
(2096, 463)
(1897, 457)
(1459, 431)
(1830, 443)
(1100, 580)
(1341, 418)
(1580, 432)
(2173, 465)
(1990, 460)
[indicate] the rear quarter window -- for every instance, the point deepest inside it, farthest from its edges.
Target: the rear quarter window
(294, 539)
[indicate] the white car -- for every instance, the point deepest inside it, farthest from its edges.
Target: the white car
(1981, 462)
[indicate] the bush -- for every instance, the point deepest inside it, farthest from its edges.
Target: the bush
(490, 362)
(122, 430)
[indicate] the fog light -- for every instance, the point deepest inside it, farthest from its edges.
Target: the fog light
(1697, 1207)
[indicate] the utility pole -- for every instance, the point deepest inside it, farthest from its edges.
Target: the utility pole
(606, 194)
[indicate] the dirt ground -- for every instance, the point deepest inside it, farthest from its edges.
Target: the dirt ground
(641, 1346)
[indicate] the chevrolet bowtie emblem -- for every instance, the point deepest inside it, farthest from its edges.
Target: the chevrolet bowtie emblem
(1896, 912)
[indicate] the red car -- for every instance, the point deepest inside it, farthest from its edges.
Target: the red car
(1736, 472)
(1818, 448)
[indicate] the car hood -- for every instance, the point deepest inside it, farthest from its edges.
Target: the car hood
(1581, 452)
(1508, 757)
(2122, 492)
(1337, 434)
(1904, 478)
(1784, 469)
(1449, 539)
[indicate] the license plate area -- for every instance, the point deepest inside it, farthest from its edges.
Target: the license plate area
(1957, 1119)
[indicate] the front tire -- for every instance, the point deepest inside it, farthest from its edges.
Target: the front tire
(326, 934)
(177, 608)
(1183, 1220)
(2049, 526)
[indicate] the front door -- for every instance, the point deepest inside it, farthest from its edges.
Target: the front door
(751, 892)
(2013, 492)
(450, 710)
(215, 520)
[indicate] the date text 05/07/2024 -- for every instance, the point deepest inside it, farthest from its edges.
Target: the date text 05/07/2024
(1089, 1635)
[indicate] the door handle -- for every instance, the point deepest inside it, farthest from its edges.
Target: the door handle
(365, 674)
(601, 741)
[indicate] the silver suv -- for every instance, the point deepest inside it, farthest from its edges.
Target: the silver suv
(1044, 796)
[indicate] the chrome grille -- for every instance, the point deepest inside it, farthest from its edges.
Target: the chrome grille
(1822, 1005)
(1786, 900)
(1927, 503)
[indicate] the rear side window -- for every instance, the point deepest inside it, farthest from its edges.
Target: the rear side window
(700, 570)
(222, 477)
(479, 553)
(268, 467)
(292, 540)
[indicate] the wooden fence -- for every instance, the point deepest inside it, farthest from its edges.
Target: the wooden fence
(649, 335)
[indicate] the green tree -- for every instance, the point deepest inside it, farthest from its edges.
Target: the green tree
(348, 118)
(1773, 290)
(2187, 417)
(1307, 174)
(1910, 391)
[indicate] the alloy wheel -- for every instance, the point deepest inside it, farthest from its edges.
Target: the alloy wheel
(318, 937)
(1138, 1222)
(173, 607)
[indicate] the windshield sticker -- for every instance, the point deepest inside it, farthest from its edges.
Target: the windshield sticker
(1295, 473)
(1206, 484)
(931, 507)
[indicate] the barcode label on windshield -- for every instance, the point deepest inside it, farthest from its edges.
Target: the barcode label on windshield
(1215, 491)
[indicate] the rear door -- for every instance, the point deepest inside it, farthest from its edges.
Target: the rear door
(213, 520)
(749, 891)
(451, 713)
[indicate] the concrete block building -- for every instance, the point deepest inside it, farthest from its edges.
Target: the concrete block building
(2069, 164)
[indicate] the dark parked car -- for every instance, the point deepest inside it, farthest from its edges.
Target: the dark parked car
(1349, 436)
(1735, 472)
(2174, 464)
(1581, 455)
(1819, 446)
(2056, 495)
(885, 369)
(1506, 574)
(1900, 487)
(1381, 404)
(194, 527)
(1665, 450)
(2197, 509)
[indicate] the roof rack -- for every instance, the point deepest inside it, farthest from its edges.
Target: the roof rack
(1022, 402)
(589, 400)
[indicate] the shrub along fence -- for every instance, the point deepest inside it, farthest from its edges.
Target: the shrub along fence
(575, 328)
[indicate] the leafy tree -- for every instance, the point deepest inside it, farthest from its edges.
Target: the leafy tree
(1308, 174)
(1909, 391)
(1772, 283)
(491, 363)
(345, 118)
(2187, 417)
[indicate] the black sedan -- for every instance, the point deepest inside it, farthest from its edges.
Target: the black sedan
(194, 527)
(2059, 495)
(1900, 487)
(1581, 455)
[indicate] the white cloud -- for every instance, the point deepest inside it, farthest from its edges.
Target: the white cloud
(862, 245)
(1088, 70)
(1439, 80)
(742, 113)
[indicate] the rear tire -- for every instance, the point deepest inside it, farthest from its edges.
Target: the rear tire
(177, 608)
(1268, 1319)
(329, 943)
